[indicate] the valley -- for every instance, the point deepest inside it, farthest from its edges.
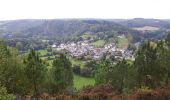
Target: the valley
(73, 56)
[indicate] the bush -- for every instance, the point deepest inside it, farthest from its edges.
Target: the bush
(100, 92)
(77, 70)
(145, 89)
(4, 95)
(87, 72)
(148, 94)
(49, 58)
(48, 54)
(49, 49)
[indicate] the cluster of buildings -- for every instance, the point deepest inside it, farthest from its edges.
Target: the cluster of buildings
(84, 49)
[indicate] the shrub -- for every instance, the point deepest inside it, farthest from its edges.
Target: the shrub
(147, 94)
(100, 92)
(4, 95)
(77, 70)
(87, 72)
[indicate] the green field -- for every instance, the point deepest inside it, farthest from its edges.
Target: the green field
(87, 35)
(98, 43)
(80, 82)
(122, 42)
(42, 52)
(77, 62)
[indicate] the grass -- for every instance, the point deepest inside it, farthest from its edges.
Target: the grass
(87, 35)
(122, 42)
(47, 57)
(77, 62)
(50, 62)
(42, 52)
(80, 82)
(98, 43)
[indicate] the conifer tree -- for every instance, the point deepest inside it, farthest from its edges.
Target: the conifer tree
(61, 73)
(35, 70)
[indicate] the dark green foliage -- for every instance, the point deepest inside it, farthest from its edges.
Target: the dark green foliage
(131, 47)
(62, 30)
(87, 72)
(91, 64)
(89, 69)
(35, 70)
(77, 69)
(12, 70)
(120, 72)
(62, 75)
(49, 49)
(149, 67)
(4, 95)
(26, 44)
(119, 75)
(102, 71)
(164, 48)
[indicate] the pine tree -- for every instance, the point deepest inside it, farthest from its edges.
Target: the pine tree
(165, 58)
(115, 75)
(35, 70)
(62, 74)
(150, 72)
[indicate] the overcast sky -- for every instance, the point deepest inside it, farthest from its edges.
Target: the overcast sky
(51, 9)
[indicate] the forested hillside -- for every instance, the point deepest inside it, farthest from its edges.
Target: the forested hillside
(150, 28)
(140, 22)
(60, 28)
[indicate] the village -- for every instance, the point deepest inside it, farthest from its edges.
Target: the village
(83, 49)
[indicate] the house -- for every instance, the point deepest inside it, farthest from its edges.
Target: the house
(54, 46)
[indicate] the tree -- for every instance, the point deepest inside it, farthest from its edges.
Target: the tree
(147, 62)
(120, 73)
(102, 71)
(115, 75)
(19, 45)
(77, 69)
(89, 68)
(87, 72)
(131, 47)
(35, 70)
(11, 70)
(164, 47)
(62, 74)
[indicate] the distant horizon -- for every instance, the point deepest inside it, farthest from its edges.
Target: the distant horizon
(82, 19)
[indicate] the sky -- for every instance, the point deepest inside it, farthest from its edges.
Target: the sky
(112, 9)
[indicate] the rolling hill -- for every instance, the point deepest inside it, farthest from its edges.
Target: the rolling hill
(69, 28)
